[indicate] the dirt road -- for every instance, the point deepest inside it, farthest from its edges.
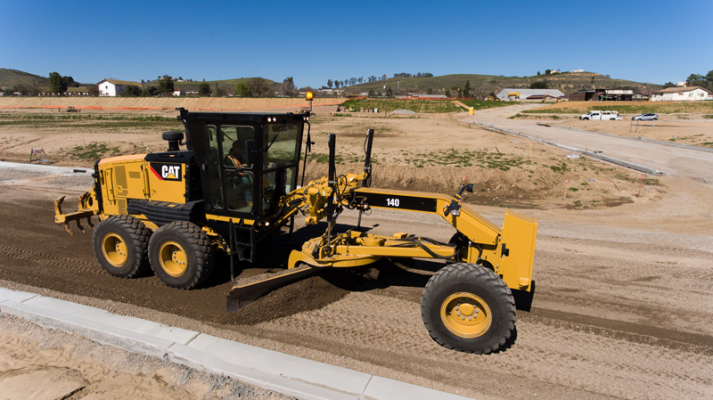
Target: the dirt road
(680, 163)
(622, 308)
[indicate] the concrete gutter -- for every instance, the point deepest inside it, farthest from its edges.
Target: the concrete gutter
(47, 169)
(641, 139)
(286, 374)
(622, 163)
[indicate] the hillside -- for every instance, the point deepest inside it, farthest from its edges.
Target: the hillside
(193, 86)
(484, 84)
(12, 77)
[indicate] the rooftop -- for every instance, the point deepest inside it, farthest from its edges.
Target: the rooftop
(679, 89)
(120, 82)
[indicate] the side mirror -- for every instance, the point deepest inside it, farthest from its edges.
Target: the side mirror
(250, 152)
(469, 187)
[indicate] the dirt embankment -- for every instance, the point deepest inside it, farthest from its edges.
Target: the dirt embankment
(170, 103)
(39, 363)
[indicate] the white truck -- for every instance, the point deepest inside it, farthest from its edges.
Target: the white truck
(601, 115)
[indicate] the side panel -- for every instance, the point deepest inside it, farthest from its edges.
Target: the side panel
(167, 181)
(120, 179)
(518, 236)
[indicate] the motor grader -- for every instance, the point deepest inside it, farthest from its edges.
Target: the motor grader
(236, 181)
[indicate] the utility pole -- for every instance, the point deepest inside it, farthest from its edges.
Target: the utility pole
(386, 82)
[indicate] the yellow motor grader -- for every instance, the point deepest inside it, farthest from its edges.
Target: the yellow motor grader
(235, 182)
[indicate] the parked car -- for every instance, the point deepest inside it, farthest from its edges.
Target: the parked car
(646, 117)
(602, 115)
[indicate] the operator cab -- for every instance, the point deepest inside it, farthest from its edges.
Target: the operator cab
(247, 161)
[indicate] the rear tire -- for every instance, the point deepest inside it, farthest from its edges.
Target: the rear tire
(181, 255)
(121, 246)
(468, 308)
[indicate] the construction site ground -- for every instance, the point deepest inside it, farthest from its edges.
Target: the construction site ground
(623, 282)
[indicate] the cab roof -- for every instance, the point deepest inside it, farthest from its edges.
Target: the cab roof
(238, 117)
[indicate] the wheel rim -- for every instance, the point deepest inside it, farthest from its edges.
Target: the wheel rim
(466, 315)
(173, 259)
(115, 250)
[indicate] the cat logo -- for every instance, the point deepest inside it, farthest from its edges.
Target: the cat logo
(167, 172)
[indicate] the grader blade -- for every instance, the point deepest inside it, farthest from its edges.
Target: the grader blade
(248, 290)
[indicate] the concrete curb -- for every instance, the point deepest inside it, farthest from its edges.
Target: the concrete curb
(286, 374)
(47, 169)
(626, 164)
(641, 139)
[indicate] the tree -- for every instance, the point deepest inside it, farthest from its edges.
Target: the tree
(361, 78)
(429, 91)
(371, 93)
(353, 81)
(204, 89)
(132, 91)
(57, 83)
(288, 87)
(336, 84)
(152, 91)
(709, 78)
(447, 93)
(547, 71)
(165, 84)
(242, 90)
(466, 90)
(219, 90)
(668, 85)
(389, 92)
(93, 90)
(538, 73)
(259, 87)
(329, 83)
(69, 81)
(539, 85)
(696, 80)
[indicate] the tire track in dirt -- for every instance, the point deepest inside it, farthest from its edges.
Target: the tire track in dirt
(401, 343)
(587, 336)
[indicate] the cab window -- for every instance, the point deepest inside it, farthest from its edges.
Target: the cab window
(280, 143)
(233, 145)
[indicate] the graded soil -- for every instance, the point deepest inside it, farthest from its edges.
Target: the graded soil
(620, 309)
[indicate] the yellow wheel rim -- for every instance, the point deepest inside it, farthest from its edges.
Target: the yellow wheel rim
(115, 250)
(173, 259)
(466, 315)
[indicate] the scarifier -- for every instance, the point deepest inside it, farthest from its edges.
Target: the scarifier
(236, 182)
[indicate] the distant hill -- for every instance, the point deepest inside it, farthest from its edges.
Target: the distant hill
(12, 77)
(566, 82)
(193, 86)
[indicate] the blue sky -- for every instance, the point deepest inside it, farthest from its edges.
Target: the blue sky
(646, 41)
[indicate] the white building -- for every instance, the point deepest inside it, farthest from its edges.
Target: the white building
(112, 87)
(178, 92)
(576, 71)
(692, 93)
(522, 94)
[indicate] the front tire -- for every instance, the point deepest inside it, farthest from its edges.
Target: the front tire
(468, 308)
(181, 255)
(121, 246)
